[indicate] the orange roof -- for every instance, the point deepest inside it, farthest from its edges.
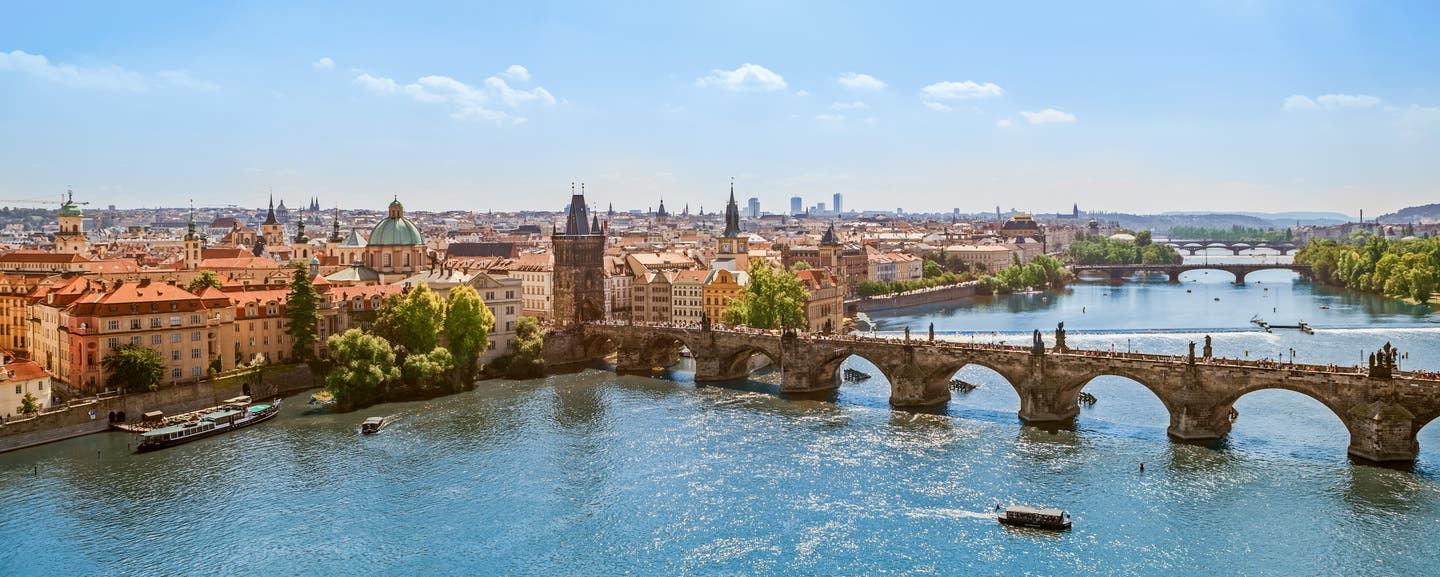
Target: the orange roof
(25, 369)
(246, 262)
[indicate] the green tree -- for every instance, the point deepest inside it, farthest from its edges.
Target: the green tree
(1142, 238)
(772, 300)
(468, 323)
(302, 311)
(428, 371)
(364, 367)
(526, 357)
(29, 405)
(134, 367)
(411, 320)
(933, 269)
(206, 278)
(800, 265)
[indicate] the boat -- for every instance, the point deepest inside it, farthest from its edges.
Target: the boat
(854, 376)
(236, 413)
(1039, 518)
(1086, 399)
(373, 425)
(962, 386)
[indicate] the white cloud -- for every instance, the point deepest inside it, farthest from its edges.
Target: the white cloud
(182, 79)
(1337, 101)
(1300, 102)
(466, 101)
(747, 78)
(324, 63)
(517, 73)
(967, 90)
(937, 106)
(802, 93)
(856, 105)
(103, 78)
(1004, 123)
(857, 81)
(830, 117)
(100, 78)
(1048, 116)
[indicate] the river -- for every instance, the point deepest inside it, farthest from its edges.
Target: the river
(594, 473)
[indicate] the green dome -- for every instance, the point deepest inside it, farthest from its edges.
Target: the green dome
(69, 208)
(396, 231)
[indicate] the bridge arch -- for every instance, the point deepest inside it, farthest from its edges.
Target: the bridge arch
(949, 371)
(599, 345)
(1114, 385)
(828, 371)
(737, 362)
(1237, 277)
(664, 349)
(1269, 411)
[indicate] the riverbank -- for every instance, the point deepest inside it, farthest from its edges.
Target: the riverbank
(912, 298)
(93, 415)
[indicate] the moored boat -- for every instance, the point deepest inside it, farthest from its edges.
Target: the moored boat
(1039, 518)
(236, 413)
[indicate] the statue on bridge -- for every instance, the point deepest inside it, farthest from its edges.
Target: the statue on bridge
(1191, 357)
(1208, 350)
(932, 332)
(705, 323)
(1038, 348)
(1060, 338)
(907, 334)
(1383, 362)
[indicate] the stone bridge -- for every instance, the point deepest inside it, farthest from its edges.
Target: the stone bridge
(1236, 246)
(1120, 271)
(1382, 415)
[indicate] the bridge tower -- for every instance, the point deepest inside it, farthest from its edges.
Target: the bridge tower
(734, 244)
(579, 265)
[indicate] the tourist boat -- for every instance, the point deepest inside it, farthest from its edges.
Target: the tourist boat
(1022, 516)
(236, 413)
(373, 425)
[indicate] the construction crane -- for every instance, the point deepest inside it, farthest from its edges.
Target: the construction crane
(70, 197)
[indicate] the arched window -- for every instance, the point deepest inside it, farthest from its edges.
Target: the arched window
(385, 260)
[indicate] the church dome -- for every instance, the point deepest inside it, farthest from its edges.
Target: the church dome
(396, 230)
(69, 208)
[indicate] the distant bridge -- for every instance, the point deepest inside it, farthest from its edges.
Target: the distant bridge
(1382, 411)
(1234, 246)
(1120, 271)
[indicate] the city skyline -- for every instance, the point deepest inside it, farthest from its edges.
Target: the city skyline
(1211, 107)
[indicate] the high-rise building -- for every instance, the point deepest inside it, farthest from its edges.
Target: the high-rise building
(820, 207)
(797, 205)
(839, 208)
(754, 206)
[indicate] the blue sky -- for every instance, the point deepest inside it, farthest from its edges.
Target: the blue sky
(1144, 106)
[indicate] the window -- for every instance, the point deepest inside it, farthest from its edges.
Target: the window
(510, 310)
(114, 342)
(112, 325)
(272, 310)
(155, 323)
(174, 321)
(175, 373)
(194, 353)
(489, 295)
(17, 389)
(194, 319)
(174, 337)
(135, 340)
(194, 335)
(509, 325)
(134, 324)
(42, 385)
(195, 371)
(155, 340)
(175, 355)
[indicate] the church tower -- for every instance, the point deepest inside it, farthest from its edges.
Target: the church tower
(70, 239)
(579, 277)
(335, 237)
(271, 230)
(192, 243)
(300, 247)
(734, 244)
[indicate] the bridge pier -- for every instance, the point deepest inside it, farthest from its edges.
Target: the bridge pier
(910, 389)
(1199, 421)
(1382, 432)
(1043, 400)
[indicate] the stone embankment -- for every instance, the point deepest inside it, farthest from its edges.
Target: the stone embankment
(928, 296)
(92, 415)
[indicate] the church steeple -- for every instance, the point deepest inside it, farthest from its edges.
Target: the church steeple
(270, 215)
(732, 216)
(335, 228)
(576, 222)
(190, 228)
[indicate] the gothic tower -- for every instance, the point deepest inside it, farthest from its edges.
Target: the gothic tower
(271, 230)
(579, 278)
(734, 244)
